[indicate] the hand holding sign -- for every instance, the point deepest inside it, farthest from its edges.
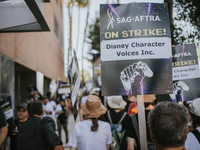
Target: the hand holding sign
(135, 74)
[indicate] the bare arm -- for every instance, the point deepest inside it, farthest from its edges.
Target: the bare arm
(3, 135)
(72, 148)
(131, 143)
(107, 146)
(59, 147)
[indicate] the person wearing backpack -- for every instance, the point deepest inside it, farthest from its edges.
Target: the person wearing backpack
(193, 138)
(118, 119)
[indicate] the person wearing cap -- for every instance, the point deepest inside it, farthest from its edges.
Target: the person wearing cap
(116, 112)
(168, 124)
(91, 134)
(22, 117)
(193, 138)
(62, 112)
(38, 133)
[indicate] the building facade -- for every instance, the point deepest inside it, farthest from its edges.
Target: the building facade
(33, 57)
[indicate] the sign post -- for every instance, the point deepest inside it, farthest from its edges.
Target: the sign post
(142, 123)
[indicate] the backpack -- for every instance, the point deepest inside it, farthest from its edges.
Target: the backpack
(116, 135)
(150, 145)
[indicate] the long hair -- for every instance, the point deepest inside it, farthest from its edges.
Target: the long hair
(95, 124)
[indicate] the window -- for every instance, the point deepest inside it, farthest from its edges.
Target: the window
(56, 26)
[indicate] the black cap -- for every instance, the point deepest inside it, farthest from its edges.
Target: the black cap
(22, 105)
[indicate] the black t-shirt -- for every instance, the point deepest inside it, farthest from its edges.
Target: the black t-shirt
(3, 121)
(131, 132)
(115, 117)
(63, 116)
(13, 135)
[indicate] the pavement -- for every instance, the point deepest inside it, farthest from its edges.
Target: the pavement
(70, 127)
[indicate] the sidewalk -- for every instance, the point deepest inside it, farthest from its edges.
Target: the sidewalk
(71, 124)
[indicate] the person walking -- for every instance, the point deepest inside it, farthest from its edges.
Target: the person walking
(38, 133)
(193, 138)
(118, 119)
(62, 112)
(91, 134)
(22, 117)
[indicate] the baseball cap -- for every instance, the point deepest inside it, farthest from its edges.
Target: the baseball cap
(194, 107)
(22, 105)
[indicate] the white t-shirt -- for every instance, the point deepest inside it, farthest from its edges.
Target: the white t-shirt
(58, 109)
(191, 142)
(83, 100)
(85, 139)
(53, 104)
(47, 107)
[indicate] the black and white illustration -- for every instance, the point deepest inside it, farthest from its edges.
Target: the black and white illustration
(135, 73)
(110, 20)
(178, 88)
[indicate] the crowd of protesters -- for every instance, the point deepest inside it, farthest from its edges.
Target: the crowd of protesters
(107, 125)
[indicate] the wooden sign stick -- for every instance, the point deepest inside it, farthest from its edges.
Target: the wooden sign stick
(79, 112)
(142, 122)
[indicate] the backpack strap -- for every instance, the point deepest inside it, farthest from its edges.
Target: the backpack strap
(135, 126)
(197, 134)
(115, 128)
(110, 120)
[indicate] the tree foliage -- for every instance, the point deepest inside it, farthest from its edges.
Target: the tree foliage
(186, 21)
(94, 36)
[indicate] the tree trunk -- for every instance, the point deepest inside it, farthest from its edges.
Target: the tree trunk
(170, 9)
(88, 6)
(117, 1)
(77, 40)
(70, 5)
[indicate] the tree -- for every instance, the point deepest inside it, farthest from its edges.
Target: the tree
(186, 21)
(70, 5)
(85, 31)
(94, 38)
(81, 4)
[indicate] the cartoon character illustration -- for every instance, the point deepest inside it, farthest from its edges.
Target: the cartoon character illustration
(110, 20)
(178, 88)
(135, 73)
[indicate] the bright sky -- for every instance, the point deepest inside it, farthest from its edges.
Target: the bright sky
(94, 12)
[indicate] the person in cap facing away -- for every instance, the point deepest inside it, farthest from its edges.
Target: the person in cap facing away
(91, 134)
(193, 138)
(116, 113)
(22, 117)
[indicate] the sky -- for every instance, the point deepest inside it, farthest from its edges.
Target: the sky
(94, 12)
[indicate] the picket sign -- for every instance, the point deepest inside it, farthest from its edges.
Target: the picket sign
(79, 112)
(142, 122)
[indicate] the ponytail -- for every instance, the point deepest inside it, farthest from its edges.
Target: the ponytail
(95, 124)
